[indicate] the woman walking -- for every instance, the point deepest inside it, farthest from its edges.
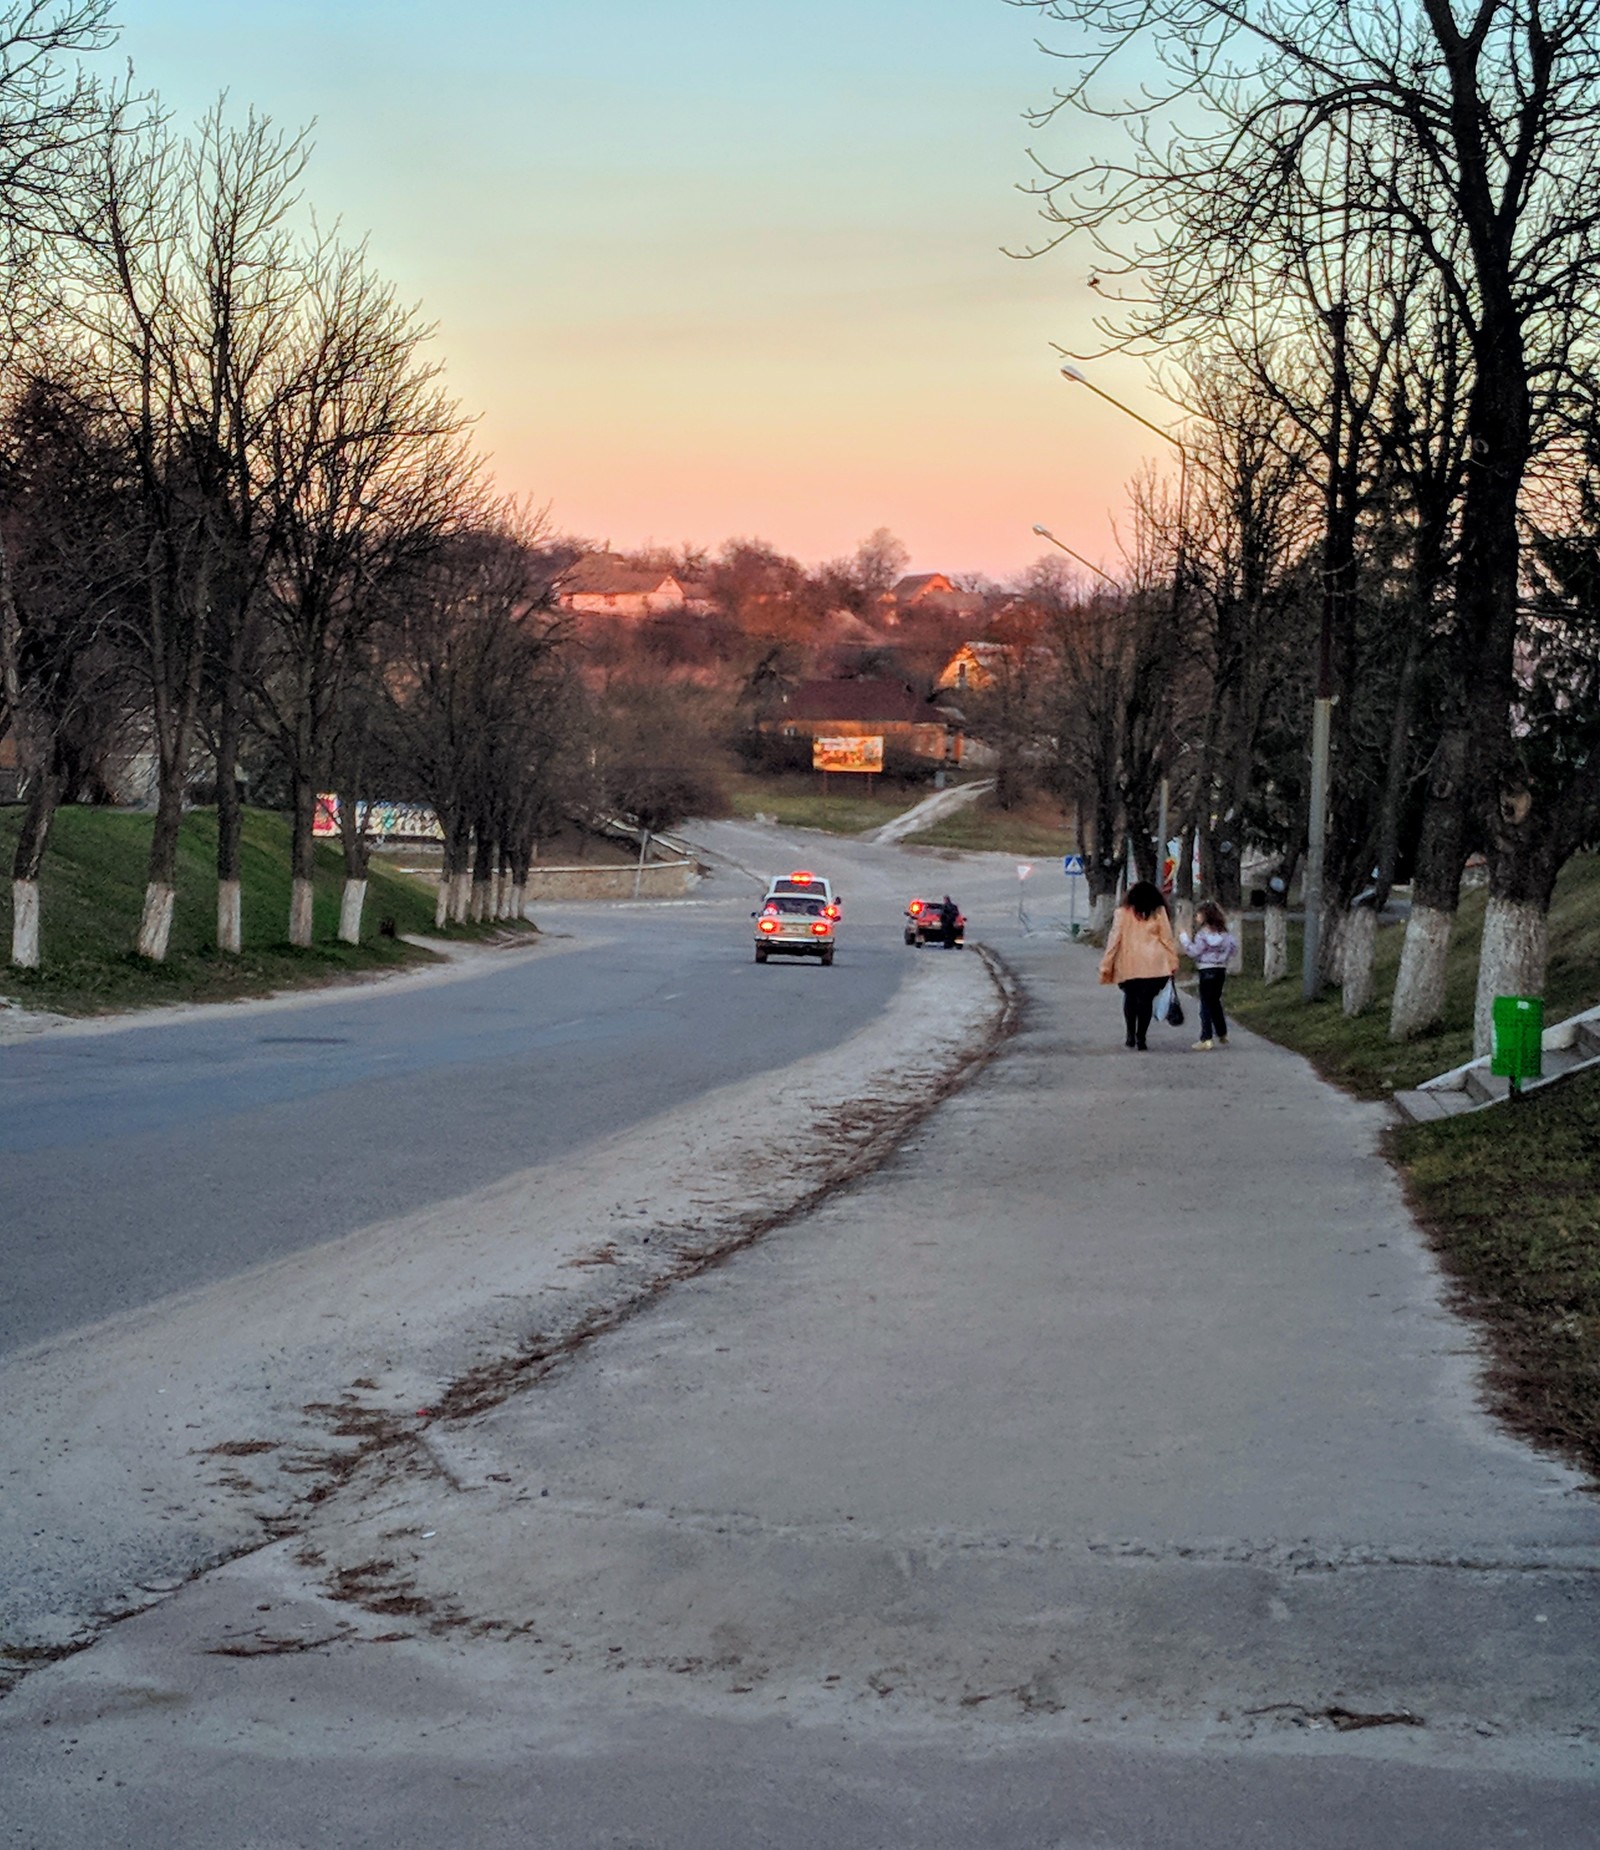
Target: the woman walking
(1140, 956)
(1213, 947)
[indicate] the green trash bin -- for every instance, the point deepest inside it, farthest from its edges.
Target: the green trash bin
(1518, 1038)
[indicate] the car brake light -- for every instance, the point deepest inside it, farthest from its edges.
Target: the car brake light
(831, 912)
(821, 928)
(802, 879)
(915, 907)
(769, 924)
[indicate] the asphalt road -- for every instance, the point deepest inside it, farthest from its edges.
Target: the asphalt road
(157, 1158)
(1103, 1469)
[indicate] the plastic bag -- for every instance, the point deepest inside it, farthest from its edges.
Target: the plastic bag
(1172, 1005)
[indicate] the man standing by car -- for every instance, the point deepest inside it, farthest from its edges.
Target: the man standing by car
(949, 918)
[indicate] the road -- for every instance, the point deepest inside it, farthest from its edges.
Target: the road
(231, 1138)
(1101, 1467)
(215, 1224)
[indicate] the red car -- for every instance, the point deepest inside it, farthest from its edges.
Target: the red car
(923, 925)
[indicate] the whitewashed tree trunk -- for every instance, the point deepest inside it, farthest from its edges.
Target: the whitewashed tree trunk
(1360, 951)
(1419, 988)
(519, 900)
(25, 924)
(1101, 913)
(480, 901)
(1516, 943)
(1275, 944)
(351, 902)
(460, 897)
(230, 918)
(1335, 922)
(441, 903)
(300, 896)
(155, 922)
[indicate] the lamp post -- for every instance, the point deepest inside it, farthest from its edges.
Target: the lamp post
(1044, 533)
(1074, 377)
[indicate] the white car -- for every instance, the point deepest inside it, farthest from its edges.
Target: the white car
(794, 925)
(803, 884)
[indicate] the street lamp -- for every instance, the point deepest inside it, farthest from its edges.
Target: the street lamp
(1044, 533)
(1072, 375)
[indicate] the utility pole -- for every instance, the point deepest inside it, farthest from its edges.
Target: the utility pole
(1335, 568)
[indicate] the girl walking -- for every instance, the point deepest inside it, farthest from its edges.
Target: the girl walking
(1213, 947)
(1140, 956)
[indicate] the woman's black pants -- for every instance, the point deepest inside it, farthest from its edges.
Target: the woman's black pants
(1138, 1003)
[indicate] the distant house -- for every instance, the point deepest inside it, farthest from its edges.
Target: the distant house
(862, 708)
(933, 591)
(973, 667)
(602, 584)
(697, 597)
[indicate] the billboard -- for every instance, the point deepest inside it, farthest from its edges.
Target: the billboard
(864, 754)
(381, 821)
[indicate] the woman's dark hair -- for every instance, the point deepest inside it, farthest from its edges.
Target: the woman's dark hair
(1211, 914)
(1144, 899)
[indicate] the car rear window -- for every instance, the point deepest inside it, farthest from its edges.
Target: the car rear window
(796, 907)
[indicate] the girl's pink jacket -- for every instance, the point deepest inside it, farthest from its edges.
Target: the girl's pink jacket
(1138, 947)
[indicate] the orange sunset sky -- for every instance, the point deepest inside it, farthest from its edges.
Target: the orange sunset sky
(711, 270)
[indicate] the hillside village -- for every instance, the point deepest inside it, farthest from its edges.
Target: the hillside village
(837, 652)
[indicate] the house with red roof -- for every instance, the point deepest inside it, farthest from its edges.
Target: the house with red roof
(863, 708)
(605, 585)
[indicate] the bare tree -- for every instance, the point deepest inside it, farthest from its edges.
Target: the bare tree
(366, 470)
(480, 706)
(64, 574)
(238, 319)
(131, 354)
(49, 111)
(1431, 121)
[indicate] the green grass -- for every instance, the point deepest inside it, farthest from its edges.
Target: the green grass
(847, 807)
(1358, 1054)
(1512, 1199)
(92, 888)
(1036, 828)
(1511, 1196)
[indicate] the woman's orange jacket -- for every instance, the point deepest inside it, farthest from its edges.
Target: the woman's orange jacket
(1139, 947)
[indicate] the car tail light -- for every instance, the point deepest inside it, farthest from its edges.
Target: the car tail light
(915, 907)
(831, 912)
(802, 879)
(769, 924)
(820, 929)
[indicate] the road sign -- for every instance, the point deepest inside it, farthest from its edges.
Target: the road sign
(1072, 864)
(1024, 868)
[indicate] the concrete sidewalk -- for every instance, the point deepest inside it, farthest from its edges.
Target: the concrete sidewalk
(1104, 1469)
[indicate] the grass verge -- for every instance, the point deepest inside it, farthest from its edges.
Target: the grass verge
(1034, 828)
(92, 889)
(1358, 1053)
(1510, 1198)
(844, 807)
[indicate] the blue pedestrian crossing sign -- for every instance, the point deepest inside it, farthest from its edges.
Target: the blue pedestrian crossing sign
(1072, 864)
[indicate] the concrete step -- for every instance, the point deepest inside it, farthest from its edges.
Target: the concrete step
(1486, 1087)
(1432, 1107)
(1473, 1087)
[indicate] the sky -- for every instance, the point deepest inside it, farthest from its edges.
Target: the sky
(723, 268)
